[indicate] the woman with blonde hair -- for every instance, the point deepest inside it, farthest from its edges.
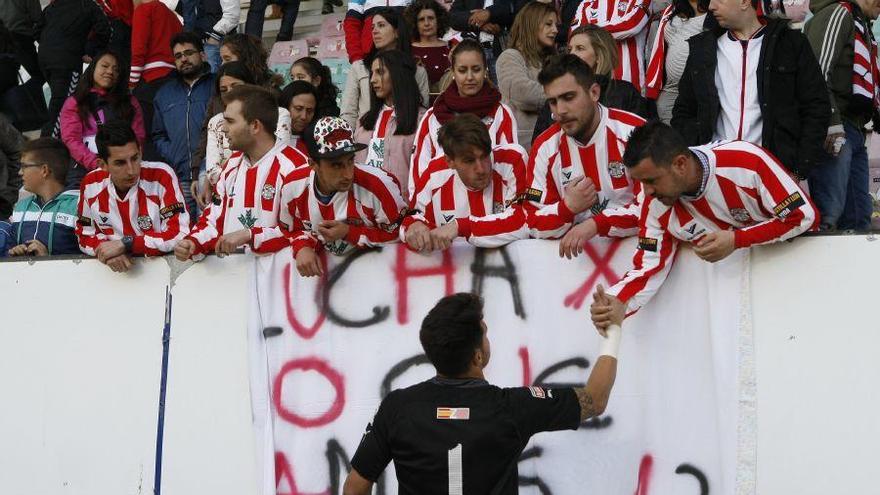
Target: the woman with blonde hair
(532, 40)
(596, 47)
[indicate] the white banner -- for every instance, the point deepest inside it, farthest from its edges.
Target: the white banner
(324, 353)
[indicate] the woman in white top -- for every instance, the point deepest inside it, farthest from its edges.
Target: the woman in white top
(217, 152)
(390, 32)
(389, 125)
(669, 51)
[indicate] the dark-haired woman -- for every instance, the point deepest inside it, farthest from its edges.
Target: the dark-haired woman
(300, 98)
(101, 96)
(389, 125)
(669, 51)
(471, 92)
(217, 150)
(390, 32)
(429, 22)
(250, 51)
(311, 70)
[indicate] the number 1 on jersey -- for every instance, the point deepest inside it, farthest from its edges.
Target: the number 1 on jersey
(455, 476)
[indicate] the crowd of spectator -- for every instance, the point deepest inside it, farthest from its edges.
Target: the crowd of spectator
(165, 130)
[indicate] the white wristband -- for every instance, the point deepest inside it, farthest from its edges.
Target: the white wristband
(611, 343)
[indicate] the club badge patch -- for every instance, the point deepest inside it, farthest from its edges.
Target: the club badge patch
(497, 208)
(145, 222)
(170, 210)
(616, 170)
(741, 215)
(533, 194)
(268, 192)
(460, 413)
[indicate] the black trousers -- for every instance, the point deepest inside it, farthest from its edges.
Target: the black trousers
(26, 53)
(62, 83)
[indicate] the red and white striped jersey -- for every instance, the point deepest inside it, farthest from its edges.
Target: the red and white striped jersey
(492, 217)
(502, 130)
(745, 188)
(557, 159)
(626, 21)
(372, 208)
(153, 211)
(250, 196)
(298, 143)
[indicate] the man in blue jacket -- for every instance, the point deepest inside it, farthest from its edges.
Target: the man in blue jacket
(180, 106)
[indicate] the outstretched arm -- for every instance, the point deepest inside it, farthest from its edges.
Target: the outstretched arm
(593, 397)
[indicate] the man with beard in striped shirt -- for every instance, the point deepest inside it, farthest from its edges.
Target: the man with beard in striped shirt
(720, 197)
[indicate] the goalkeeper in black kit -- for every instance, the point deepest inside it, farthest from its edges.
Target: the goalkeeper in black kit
(456, 434)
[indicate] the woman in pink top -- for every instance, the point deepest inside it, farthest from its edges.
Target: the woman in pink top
(101, 96)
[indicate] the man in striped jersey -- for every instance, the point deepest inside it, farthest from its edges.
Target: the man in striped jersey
(720, 197)
(336, 204)
(250, 192)
(128, 206)
(586, 142)
(472, 191)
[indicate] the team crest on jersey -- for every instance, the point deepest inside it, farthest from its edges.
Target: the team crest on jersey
(599, 207)
(616, 170)
(621, 8)
(741, 215)
(497, 207)
(268, 192)
(145, 222)
(247, 219)
(461, 413)
(541, 393)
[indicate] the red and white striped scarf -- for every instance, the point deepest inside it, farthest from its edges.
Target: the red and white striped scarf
(865, 72)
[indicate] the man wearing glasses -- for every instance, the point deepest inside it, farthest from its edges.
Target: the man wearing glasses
(179, 112)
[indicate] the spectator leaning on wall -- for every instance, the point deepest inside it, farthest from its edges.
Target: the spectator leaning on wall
(253, 189)
(128, 207)
(720, 197)
(44, 224)
(471, 191)
(336, 204)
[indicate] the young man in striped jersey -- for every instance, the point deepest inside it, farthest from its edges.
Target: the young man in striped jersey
(252, 188)
(719, 197)
(128, 206)
(335, 204)
(586, 143)
(471, 191)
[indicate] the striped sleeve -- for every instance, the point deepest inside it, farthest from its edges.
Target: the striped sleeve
(828, 36)
(622, 221)
(793, 212)
(652, 259)
(421, 202)
(423, 152)
(87, 234)
(547, 215)
(140, 35)
(507, 130)
(656, 72)
(632, 23)
(209, 228)
(384, 200)
(173, 217)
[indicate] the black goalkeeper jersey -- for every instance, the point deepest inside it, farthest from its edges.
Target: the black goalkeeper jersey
(457, 437)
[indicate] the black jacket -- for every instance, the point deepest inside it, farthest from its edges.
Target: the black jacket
(615, 94)
(501, 12)
(72, 28)
(791, 91)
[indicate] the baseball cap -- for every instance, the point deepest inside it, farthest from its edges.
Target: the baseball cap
(330, 137)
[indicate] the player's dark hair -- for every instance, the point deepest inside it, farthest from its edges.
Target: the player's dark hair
(463, 132)
(654, 140)
(560, 65)
(52, 152)
(402, 69)
(326, 90)
(187, 37)
(114, 133)
(257, 103)
(451, 333)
